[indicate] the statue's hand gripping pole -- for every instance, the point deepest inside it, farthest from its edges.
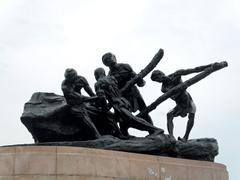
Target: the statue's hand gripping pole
(156, 59)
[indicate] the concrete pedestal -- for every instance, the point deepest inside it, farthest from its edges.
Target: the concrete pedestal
(74, 163)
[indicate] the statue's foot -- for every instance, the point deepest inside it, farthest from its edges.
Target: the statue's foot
(123, 137)
(172, 138)
(182, 139)
(157, 132)
(120, 135)
(131, 137)
(98, 136)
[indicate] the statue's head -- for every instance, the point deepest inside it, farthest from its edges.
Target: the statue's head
(99, 72)
(158, 76)
(109, 59)
(70, 74)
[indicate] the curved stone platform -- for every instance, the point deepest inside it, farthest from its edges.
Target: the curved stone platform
(74, 163)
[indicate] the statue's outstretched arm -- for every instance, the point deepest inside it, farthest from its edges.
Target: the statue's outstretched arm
(89, 90)
(198, 69)
(75, 95)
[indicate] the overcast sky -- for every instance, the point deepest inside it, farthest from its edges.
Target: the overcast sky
(40, 39)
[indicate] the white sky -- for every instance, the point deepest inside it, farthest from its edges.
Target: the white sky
(39, 39)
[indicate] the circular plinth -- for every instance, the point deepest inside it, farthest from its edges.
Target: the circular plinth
(75, 163)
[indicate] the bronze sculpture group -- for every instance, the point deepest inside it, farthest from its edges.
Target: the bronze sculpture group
(101, 117)
(117, 97)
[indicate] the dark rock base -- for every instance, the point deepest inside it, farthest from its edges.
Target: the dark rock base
(197, 149)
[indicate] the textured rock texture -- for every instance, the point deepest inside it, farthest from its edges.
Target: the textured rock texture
(47, 118)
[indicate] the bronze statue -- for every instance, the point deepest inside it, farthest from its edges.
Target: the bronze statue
(107, 89)
(124, 73)
(175, 88)
(184, 103)
(75, 119)
(71, 87)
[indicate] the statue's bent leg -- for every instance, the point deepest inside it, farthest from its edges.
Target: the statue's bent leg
(124, 128)
(92, 127)
(170, 125)
(189, 127)
(117, 132)
(80, 113)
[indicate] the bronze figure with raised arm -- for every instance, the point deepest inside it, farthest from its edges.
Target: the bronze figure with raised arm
(184, 102)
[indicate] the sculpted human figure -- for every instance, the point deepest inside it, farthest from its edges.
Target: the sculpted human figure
(71, 87)
(106, 88)
(184, 103)
(123, 73)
